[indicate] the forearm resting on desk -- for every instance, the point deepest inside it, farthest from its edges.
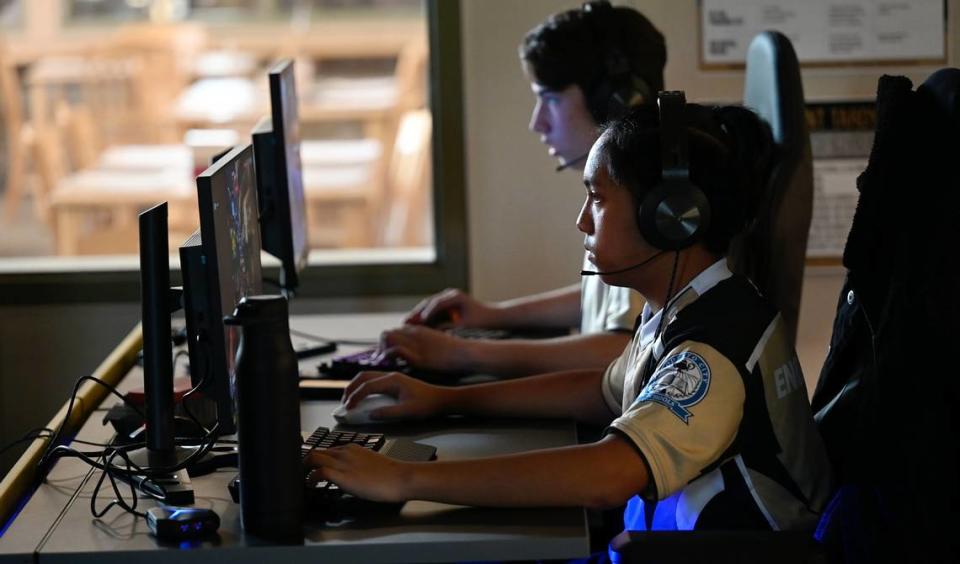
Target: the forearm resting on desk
(556, 308)
(575, 394)
(599, 475)
(602, 474)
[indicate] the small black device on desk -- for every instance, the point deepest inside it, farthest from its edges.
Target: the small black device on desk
(304, 348)
(170, 523)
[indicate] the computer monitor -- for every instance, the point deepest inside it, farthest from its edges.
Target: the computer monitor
(276, 141)
(221, 264)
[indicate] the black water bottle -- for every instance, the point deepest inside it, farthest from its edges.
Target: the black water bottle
(268, 418)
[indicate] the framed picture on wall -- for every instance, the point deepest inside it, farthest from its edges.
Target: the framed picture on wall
(827, 32)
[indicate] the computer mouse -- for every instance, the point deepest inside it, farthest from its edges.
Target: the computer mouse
(360, 413)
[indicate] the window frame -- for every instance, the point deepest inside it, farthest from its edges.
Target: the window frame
(449, 269)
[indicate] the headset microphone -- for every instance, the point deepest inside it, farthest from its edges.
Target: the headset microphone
(603, 273)
(569, 164)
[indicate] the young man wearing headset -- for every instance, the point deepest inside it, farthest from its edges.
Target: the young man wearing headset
(708, 425)
(586, 66)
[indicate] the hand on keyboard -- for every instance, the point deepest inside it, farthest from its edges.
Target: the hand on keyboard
(455, 308)
(360, 471)
(426, 348)
(415, 399)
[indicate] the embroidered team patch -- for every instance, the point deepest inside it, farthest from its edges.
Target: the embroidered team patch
(681, 381)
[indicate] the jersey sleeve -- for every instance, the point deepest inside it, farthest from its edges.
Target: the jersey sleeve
(623, 307)
(613, 382)
(686, 416)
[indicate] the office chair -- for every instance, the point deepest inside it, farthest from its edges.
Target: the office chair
(899, 298)
(772, 250)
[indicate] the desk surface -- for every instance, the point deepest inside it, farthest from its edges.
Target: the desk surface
(57, 525)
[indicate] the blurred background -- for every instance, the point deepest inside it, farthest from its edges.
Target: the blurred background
(107, 106)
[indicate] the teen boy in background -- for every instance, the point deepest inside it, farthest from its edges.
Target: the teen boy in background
(585, 66)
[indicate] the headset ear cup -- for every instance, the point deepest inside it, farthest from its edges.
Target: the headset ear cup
(674, 215)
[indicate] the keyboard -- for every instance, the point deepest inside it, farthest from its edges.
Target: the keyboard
(325, 497)
(347, 366)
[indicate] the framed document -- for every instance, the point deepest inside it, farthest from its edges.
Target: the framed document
(841, 137)
(827, 32)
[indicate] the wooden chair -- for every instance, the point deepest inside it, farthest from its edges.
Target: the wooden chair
(408, 211)
(19, 135)
(86, 150)
(339, 200)
(94, 211)
(411, 75)
(347, 205)
(167, 52)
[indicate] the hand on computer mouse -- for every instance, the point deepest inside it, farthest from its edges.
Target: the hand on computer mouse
(413, 399)
(366, 411)
(454, 308)
(423, 347)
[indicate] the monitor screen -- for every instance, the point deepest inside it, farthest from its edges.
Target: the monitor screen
(283, 204)
(230, 248)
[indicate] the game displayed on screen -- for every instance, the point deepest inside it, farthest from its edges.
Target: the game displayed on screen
(238, 245)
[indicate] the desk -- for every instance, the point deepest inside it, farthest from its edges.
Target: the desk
(56, 523)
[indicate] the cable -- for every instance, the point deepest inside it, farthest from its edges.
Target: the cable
(183, 400)
(666, 302)
(118, 501)
(73, 396)
(31, 435)
(103, 460)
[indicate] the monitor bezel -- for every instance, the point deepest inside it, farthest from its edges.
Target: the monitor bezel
(282, 205)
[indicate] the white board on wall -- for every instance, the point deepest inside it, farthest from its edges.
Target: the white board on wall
(829, 32)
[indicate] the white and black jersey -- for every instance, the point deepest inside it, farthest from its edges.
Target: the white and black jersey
(718, 409)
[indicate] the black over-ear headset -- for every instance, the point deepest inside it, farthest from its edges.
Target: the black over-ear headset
(619, 88)
(675, 213)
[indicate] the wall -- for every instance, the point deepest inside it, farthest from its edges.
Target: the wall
(43, 350)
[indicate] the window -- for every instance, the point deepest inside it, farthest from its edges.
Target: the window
(90, 140)
(105, 11)
(11, 14)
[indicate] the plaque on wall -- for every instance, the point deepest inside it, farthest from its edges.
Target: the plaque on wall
(841, 137)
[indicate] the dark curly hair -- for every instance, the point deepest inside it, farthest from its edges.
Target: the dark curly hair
(730, 154)
(572, 47)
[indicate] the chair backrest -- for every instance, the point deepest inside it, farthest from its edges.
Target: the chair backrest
(773, 250)
(411, 75)
(11, 112)
(166, 51)
(83, 141)
(408, 210)
(17, 137)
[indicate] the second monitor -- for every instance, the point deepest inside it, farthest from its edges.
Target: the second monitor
(276, 142)
(221, 264)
